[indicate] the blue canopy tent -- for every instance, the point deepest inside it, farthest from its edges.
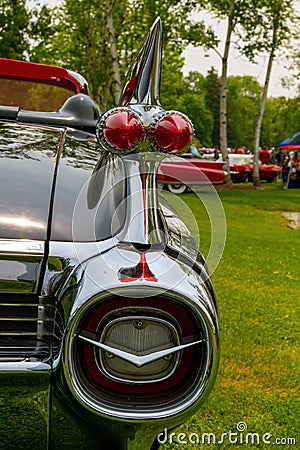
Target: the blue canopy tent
(291, 170)
(292, 142)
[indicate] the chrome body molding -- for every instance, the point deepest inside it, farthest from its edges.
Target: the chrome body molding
(25, 366)
(18, 246)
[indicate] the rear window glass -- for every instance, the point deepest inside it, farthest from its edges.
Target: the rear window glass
(32, 96)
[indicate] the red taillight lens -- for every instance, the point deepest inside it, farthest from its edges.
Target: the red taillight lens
(121, 129)
(173, 132)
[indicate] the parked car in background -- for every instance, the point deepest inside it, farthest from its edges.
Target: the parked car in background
(241, 169)
(177, 174)
(267, 172)
(207, 153)
(108, 318)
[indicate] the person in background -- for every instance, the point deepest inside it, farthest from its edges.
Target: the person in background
(296, 160)
(272, 156)
(216, 152)
(195, 151)
(264, 155)
(293, 172)
(279, 157)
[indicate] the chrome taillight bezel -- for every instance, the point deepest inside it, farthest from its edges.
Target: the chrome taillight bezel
(169, 399)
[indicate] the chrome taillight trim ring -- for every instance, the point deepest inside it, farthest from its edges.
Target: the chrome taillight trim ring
(192, 400)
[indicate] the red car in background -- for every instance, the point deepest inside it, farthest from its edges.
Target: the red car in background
(179, 173)
(267, 172)
(241, 169)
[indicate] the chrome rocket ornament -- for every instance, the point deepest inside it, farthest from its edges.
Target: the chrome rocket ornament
(144, 85)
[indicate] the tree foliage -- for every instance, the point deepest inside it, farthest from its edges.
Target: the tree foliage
(270, 33)
(243, 101)
(258, 26)
(14, 29)
(42, 30)
(26, 32)
(236, 14)
(101, 39)
(212, 102)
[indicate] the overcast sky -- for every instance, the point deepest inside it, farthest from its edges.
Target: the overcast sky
(201, 60)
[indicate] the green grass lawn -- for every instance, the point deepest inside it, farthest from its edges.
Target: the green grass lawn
(258, 288)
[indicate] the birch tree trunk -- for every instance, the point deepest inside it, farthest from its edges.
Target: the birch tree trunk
(256, 178)
(113, 51)
(223, 93)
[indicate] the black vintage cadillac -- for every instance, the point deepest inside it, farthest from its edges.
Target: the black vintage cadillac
(108, 318)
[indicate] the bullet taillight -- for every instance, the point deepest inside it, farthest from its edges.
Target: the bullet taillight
(172, 132)
(120, 130)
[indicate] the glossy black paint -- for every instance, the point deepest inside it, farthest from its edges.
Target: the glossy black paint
(27, 163)
(84, 190)
(20, 273)
(25, 407)
(31, 188)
